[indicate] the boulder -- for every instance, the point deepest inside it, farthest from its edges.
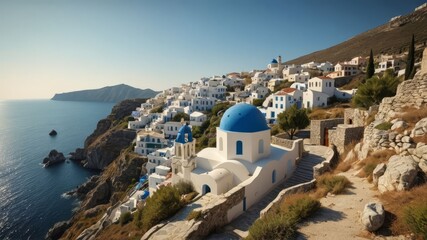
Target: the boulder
(373, 216)
(53, 133)
(78, 155)
(57, 230)
(423, 166)
(378, 172)
(420, 128)
(400, 174)
(399, 124)
(53, 158)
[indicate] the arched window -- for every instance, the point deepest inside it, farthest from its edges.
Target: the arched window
(239, 148)
(261, 146)
(273, 176)
(220, 143)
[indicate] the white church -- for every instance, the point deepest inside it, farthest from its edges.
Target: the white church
(244, 157)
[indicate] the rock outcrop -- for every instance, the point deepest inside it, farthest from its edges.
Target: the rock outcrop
(57, 230)
(53, 158)
(373, 216)
(109, 138)
(400, 174)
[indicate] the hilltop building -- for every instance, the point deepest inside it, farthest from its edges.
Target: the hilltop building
(243, 156)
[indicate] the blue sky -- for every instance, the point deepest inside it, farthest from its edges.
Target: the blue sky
(48, 47)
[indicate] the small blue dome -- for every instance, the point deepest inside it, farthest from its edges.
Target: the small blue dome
(274, 60)
(185, 129)
(243, 117)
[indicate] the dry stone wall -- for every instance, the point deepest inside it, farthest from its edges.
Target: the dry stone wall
(410, 94)
(317, 129)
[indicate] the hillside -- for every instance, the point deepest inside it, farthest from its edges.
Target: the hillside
(390, 38)
(115, 93)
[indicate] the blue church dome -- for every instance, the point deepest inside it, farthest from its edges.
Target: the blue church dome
(243, 117)
(274, 60)
(185, 129)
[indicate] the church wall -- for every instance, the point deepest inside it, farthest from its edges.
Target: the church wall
(239, 171)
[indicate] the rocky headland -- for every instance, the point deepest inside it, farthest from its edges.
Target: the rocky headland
(108, 148)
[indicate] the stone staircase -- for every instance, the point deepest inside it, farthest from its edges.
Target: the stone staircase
(239, 227)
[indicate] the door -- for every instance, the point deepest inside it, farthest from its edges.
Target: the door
(326, 137)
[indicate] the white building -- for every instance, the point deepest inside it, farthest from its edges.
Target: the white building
(326, 67)
(259, 93)
(300, 86)
(313, 99)
(299, 77)
(346, 69)
(394, 64)
(202, 103)
(149, 141)
(158, 178)
(159, 157)
(280, 101)
(197, 118)
(292, 69)
(243, 157)
(170, 129)
(310, 65)
(325, 85)
(273, 83)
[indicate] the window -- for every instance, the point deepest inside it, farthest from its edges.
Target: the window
(239, 148)
(220, 143)
(261, 146)
(273, 176)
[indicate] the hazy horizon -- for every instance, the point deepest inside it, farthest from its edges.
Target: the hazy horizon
(53, 47)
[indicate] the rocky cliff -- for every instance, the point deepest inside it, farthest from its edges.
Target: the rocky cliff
(109, 138)
(108, 148)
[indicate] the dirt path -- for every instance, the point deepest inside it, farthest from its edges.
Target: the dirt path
(339, 217)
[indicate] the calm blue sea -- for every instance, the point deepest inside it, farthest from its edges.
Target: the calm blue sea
(30, 195)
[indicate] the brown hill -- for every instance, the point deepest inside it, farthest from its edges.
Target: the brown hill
(391, 38)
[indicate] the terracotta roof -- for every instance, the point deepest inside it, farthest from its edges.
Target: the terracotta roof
(285, 91)
(324, 77)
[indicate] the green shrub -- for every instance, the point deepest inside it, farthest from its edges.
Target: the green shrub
(369, 168)
(415, 217)
(384, 126)
(137, 217)
(212, 142)
(277, 226)
(157, 110)
(164, 203)
(125, 218)
(300, 206)
(184, 187)
(333, 184)
(194, 215)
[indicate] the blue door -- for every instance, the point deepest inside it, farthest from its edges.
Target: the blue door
(206, 189)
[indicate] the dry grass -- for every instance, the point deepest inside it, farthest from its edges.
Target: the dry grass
(420, 139)
(397, 202)
(117, 232)
(334, 184)
(344, 166)
(412, 115)
(326, 113)
(368, 164)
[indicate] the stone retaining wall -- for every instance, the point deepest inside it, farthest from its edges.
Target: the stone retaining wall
(287, 143)
(275, 204)
(317, 128)
(345, 134)
(330, 159)
(215, 215)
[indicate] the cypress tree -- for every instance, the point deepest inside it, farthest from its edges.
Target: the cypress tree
(370, 70)
(411, 59)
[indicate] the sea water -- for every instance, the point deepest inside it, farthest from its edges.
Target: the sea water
(31, 197)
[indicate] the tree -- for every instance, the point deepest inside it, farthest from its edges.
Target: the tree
(179, 116)
(370, 70)
(375, 89)
(411, 60)
(293, 119)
